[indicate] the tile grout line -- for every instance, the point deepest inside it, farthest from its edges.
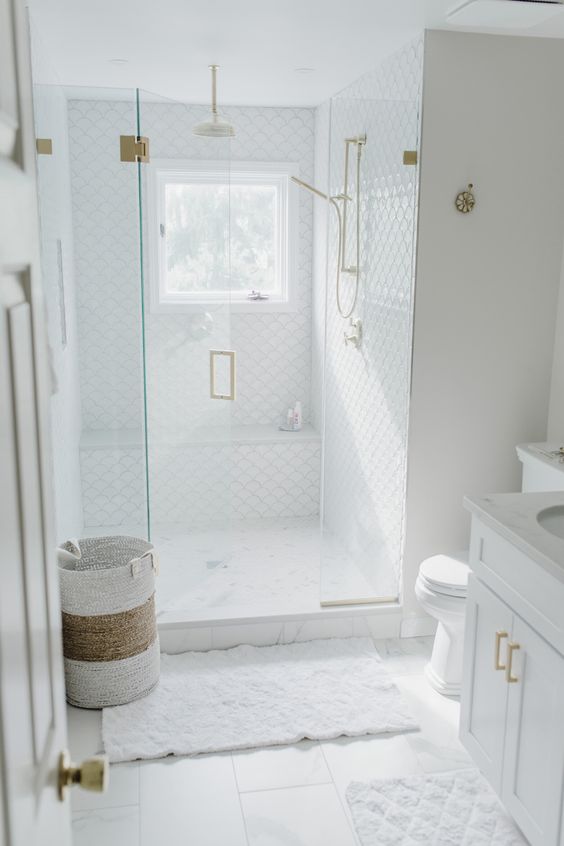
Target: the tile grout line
(140, 834)
(348, 819)
(243, 817)
(287, 787)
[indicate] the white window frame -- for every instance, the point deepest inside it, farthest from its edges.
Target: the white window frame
(159, 171)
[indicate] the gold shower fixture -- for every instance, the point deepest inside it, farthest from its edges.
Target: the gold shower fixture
(359, 141)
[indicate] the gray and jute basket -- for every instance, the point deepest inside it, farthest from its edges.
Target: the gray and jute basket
(110, 642)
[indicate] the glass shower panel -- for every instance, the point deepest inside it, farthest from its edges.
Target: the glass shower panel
(88, 202)
(367, 385)
(190, 365)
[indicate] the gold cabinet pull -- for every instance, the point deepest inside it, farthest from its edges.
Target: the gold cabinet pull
(499, 636)
(218, 354)
(509, 677)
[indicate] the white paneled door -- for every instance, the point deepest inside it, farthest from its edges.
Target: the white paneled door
(32, 716)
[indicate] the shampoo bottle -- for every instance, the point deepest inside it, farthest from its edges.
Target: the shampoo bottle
(297, 416)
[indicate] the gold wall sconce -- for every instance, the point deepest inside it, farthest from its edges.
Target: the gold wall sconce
(465, 201)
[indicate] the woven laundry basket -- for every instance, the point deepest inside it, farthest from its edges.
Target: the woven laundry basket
(110, 643)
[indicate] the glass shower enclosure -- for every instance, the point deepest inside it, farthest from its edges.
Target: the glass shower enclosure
(173, 387)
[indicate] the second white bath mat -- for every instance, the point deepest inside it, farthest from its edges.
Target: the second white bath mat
(258, 696)
(443, 809)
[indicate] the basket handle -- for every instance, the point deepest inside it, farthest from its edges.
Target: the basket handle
(135, 563)
(72, 554)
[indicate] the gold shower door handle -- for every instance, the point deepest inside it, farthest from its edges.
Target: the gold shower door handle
(217, 356)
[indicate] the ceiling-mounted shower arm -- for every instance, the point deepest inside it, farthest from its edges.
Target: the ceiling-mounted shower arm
(213, 69)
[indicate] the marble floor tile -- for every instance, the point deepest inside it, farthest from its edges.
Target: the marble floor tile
(297, 816)
(84, 729)
(281, 766)
(267, 566)
(405, 656)
(123, 789)
(436, 745)
(106, 826)
(366, 758)
(185, 801)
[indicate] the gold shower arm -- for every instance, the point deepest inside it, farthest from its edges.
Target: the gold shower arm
(309, 187)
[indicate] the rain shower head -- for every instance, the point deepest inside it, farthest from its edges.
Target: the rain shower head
(216, 127)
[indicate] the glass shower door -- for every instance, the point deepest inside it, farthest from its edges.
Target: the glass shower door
(88, 202)
(367, 385)
(190, 365)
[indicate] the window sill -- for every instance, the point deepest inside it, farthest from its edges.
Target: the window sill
(233, 307)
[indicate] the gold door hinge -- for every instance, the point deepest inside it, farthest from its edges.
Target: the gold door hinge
(44, 146)
(410, 157)
(133, 148)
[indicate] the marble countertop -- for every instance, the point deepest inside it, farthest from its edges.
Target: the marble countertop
(545, 452)
(514, 517)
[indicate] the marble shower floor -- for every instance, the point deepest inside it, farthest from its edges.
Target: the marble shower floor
(263, 567)
(282, 796)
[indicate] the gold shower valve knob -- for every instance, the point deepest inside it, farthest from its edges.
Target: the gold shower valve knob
(93, 774)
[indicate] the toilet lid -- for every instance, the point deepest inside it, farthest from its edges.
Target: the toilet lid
(446, 573)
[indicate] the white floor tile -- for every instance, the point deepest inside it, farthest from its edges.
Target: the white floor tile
(437, 745)
(296, 816)
(405, 656)
(84, 732)
(108, 826)
(190, 802)
(281, 766)
(123, 789)
(364, 758)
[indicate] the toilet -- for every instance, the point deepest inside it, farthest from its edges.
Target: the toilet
(441, 590)
(443, 579)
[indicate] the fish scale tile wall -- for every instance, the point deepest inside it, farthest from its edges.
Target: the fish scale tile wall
(196, 486)
(367, 389)
(274, 350)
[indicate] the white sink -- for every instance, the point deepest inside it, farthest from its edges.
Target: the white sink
(552, 520)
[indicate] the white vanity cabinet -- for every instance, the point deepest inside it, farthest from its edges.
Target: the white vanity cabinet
(512, 704)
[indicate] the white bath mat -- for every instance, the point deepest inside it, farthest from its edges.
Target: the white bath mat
(258, 696)
(444, 809)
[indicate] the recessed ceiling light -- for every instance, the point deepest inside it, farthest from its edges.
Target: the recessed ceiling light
(118, 61)
(304, 70)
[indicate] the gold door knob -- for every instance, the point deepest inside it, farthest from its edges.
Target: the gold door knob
(93, 774)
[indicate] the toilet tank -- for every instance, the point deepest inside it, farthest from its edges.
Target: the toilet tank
(543, 467)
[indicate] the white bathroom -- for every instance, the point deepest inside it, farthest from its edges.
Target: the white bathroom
(283, 371)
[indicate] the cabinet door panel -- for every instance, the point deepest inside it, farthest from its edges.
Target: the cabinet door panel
(484, 689)
(533, 778)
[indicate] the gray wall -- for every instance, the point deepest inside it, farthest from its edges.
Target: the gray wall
(487, 282)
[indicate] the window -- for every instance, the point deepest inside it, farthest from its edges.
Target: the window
(222, 233)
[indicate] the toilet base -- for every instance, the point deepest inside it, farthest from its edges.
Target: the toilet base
(444, 670)
(441, 686)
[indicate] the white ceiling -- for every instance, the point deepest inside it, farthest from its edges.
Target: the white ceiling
(169, 44)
